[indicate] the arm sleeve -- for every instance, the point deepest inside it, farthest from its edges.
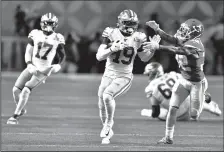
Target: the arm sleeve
(61, 52)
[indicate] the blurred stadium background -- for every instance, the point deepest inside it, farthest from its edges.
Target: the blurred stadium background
(66, 117)
(82, 22)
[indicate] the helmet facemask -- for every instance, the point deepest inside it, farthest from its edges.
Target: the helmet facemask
(153, 72)
(183, 32)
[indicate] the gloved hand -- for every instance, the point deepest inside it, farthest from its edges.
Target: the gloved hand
(117, 45)
(56, 68)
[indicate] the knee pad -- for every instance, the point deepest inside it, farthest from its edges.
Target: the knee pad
(107, 97)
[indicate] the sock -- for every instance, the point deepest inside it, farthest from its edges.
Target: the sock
(170, 122)
(102, 110)
(23, 100)
(16, 93)
(110, 107)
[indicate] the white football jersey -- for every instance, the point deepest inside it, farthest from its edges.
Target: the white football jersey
(122, 61)
(161, 88)
(44, 49)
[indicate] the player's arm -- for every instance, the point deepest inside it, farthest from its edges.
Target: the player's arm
(61, 52)
(145, 54)
(165, 36)
(104, 49)
(186, 50)
(29, 53)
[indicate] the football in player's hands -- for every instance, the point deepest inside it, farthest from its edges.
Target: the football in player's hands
(117, 45)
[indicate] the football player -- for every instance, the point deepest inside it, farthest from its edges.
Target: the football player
(159, 91)
(42, 48)
(119, 47)
(190, 56)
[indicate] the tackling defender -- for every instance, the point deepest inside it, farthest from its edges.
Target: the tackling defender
(43, 45)
(120, 46)
(190, 56)
(159, 93)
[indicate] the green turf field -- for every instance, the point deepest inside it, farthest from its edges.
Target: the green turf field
(63, 115)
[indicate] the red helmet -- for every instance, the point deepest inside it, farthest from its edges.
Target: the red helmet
(128, 22)
(190, 29)
(153, 70)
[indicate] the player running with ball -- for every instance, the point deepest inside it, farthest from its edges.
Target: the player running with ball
(190, 56)
(120, 46)
(41, 49)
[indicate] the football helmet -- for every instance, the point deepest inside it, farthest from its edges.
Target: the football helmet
(49, 22)
(153, 70)
(128, 22)
(190, 29)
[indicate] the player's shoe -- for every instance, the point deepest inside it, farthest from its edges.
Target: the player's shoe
(106, 140)
(165, 140)
(215, 109)
(23, 112)
(12, 121)
(146, 112)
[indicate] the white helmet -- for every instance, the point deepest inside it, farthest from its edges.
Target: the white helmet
(49, 22)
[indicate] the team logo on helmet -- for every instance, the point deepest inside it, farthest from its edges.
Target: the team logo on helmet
(128, 22)
(190, 29)
(49, 22)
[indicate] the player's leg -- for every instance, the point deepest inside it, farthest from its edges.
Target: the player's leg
(117, 87)
(24, 95)
(19, 84)
(105, 82)
(179, 94)
(183, 114)
(197, 98)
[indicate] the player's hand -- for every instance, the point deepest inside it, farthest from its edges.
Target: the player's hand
(150, 46)
(117, 45)
(32, 69)
(56, 68)
(155, 39)
(153, 25)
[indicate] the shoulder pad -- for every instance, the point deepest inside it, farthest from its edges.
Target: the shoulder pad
(107, 32)
(60, 38)
(33, 33)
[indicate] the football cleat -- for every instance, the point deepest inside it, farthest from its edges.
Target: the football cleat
(109, 135)
(165, 140)
(12, 121)
(215, 109)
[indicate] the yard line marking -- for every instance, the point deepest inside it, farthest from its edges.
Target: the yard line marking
(106, 146)
(92, 134)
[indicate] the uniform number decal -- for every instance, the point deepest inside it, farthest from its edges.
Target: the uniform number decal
(43, 46)
(165, 88)
(128, 53)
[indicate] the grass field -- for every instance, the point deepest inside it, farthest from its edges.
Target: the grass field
(63, 115)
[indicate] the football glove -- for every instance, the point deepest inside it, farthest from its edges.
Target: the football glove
(32, 69)
(153, 25)
(117, 45)
(56, 68)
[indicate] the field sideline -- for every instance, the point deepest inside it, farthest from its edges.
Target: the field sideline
(63, 116)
